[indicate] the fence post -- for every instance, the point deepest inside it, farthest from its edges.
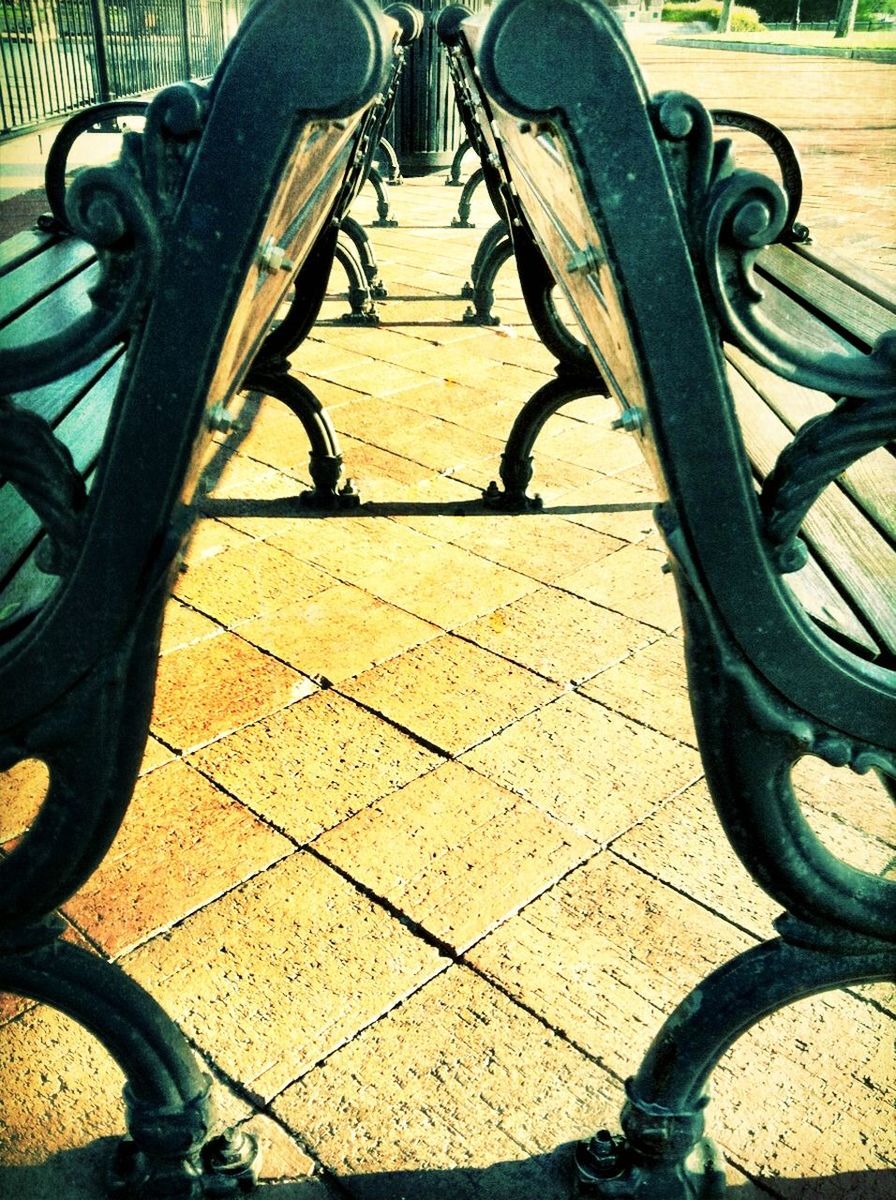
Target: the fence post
(188, 73)
(100, 36)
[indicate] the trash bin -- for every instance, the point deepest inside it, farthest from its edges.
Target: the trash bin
(425, 128)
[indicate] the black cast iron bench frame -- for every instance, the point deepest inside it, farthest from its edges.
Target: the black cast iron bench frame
(115, 373)
(626, 204)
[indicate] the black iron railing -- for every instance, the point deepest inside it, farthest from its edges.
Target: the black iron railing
(57, 56)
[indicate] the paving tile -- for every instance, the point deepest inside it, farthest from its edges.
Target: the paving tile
(155, 755)
(61, 1112)
(587, 766)
(249, 581)
(183, 625)
(651, 687)
(377, 473)
(859, 800)
(607, 954)
(450, 693)
(282, 970)
(421, 585)
(611, 504)
(182, 843)
(315, 764)
(541, 545)
(209, 538)
(632, 582)
(257, 500)
(215, 686)
(561, 636)
(454, 852)
(61, 1106)
(337, 633)
(590, 444)
(458, 1093)
(354, 548)
(23, 789)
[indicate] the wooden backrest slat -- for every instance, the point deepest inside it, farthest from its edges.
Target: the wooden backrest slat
(56, 309)
(21, 246)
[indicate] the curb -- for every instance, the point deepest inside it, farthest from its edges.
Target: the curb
(855, 52)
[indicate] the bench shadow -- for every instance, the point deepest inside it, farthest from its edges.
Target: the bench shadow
(292, 506)
(80, 1172)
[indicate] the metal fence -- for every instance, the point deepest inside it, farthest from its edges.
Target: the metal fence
(59, 55)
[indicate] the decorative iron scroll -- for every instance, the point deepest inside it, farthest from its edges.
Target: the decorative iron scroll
(735, 214)
(120, 210)
(40, 468)
(822, 449)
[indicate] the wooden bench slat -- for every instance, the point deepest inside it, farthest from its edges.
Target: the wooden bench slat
(21, 246)
(41, 275)
(845, 541)
(53, 400)
(82, 431)
(872, 286)
(55, 311)
(827, 293)
(871, 481)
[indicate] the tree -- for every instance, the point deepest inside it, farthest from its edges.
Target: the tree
(725, 16)
(846, 18)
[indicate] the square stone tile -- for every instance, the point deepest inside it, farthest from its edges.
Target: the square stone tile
(608, 953)
(605, 956)
(447, 585)
(248, 581)
(450, 693)
(861, 801)
(612, 505)
(456, 1094)
(315, 764)
(215, 686)
(337, 633)
(23, 789)
(541, 545)
(352, 548)
(587, 766)
(632, 582)
(558, 635)
(184, 625)
(282, 970)
(454, 852)
(650, 686)
(155, 755)
(377, 473)
(182, 843)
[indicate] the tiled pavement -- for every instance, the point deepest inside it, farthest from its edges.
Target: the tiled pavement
(421, 855)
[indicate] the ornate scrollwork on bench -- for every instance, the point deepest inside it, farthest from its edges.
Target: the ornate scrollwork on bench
(120, 210)
(734, 215)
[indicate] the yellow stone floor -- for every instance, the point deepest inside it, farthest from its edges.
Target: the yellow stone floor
(422, 854)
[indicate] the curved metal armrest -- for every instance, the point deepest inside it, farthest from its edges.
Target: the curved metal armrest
(57, 160)
(787, 159)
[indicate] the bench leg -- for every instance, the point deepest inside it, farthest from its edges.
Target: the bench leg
(363, 310)
(493, 252)
(387, 150)
(539, 288)
(453, 179)
(384, 218)
(516, 461)
(324, 461)
(168, 1151)
(662, 1119)
(462, 220)
(357, 234)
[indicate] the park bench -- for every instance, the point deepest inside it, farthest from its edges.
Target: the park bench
(126, 330)
(759, 377)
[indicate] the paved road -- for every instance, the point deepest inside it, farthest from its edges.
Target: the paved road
(840, 114)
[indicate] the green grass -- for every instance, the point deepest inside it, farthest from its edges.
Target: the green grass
(878, 40)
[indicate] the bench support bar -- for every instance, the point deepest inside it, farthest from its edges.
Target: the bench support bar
(168, 1152)
(662, 1120)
